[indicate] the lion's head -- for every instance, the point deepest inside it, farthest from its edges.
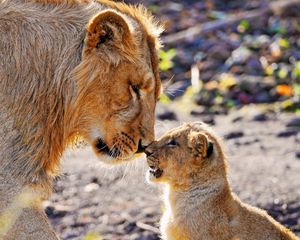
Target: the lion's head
(185, 155)
(118, 85)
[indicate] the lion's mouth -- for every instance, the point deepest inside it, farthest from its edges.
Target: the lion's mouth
(114, 152)
(103, 148)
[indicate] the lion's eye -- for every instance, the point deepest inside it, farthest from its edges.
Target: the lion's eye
(136, 89)
(172, 143)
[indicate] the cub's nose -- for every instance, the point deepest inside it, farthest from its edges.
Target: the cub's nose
(148, 151)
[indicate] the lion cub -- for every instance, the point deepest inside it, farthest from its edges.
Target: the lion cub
(199, 203)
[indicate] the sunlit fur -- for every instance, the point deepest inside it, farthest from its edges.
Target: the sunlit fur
(67, 69)
(199, 202)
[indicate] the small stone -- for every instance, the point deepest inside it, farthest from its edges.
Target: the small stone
(296, 55)
(130, 227)
(198, 112)
(167, 115)
(233, 135)
(298, 154)
(261, 117)
(253, 66)
(237, 119)
(95, 180)
(294, 122)
(209, 120)
(287, 133)
(57, 211)
(262, 97)
(91, 187)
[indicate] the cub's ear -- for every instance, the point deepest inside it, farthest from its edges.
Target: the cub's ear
(201, 147)
(108, 30)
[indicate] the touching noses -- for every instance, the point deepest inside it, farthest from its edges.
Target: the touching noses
(141, 147)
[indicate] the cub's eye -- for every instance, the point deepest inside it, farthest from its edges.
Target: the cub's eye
(172, 143)
(136, 89)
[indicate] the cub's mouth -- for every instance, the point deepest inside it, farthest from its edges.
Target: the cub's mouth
(154, 170)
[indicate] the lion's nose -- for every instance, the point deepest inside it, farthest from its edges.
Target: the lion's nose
(141, 148)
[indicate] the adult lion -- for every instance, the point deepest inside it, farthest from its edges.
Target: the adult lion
(69, 68)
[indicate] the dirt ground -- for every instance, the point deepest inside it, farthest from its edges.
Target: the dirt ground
(92, 199)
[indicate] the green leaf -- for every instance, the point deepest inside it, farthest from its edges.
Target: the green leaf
(243, 26)
(282, 73)
(296, 70)
(284, 43)
(296, 88)
(230, 103)
(166, 59)
(165, 65)
(92, 236)
(163, 98)
(287, 104)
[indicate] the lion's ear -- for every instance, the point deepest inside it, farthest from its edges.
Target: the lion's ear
(202, 147)
(108, 29)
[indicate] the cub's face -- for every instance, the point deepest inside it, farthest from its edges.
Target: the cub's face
(118, 86)
(180, 154)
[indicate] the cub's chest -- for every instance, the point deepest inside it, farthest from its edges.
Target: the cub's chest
(176, 233)
(173, 230)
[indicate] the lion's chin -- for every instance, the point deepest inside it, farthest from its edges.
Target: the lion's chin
(113, 161)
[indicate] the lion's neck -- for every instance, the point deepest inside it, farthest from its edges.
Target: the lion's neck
(36, 88)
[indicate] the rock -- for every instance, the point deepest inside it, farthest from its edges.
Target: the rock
(57, 211)
(209, 65)
(220, 51)
(298, 154)
(260, 117)
(209, 120)
(91, 187)
(233, 135)
(287, 133)
(167, 115)
(205, 97)
(94, 180)
(199, 111)
(296, 55)
(148, 236)
(256, 42)
(237, 119)
(130, 227)
(253, 66)
(262, 97)
(294, 122)
(239, 56)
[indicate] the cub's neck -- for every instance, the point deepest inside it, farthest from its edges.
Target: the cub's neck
(198, 206)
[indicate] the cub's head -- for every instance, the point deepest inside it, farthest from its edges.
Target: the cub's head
(118, 83)
(186, 155)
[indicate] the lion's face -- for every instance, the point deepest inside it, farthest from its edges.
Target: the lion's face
(118, 89)
(180, 154)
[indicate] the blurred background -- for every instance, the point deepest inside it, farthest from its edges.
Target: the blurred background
(232, 64)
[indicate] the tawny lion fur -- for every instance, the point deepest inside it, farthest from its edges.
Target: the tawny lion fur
(199, 202)
(67, 69)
